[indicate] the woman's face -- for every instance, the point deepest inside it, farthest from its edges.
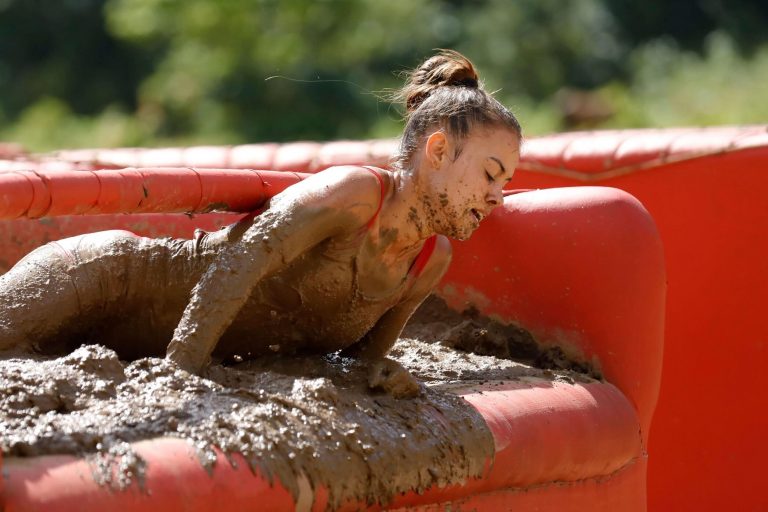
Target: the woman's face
(464, 182)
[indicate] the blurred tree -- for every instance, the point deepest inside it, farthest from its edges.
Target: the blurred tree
(534, 47)
(689, 22)
(673, 87)
(158, 72)
(62, 49)
(259, 70)
(299, 69)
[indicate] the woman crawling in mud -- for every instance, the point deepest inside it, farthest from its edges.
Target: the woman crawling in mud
(336, 262)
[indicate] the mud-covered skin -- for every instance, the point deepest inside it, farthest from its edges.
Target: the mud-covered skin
(452, 187)
(317, 270)
(104, 286)
(296, 278)
(464, 180)
(392, 377)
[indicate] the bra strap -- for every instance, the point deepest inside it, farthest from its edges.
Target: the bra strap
(383, 193)
(421, 260)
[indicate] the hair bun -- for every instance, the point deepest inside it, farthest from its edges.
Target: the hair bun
(447, 68)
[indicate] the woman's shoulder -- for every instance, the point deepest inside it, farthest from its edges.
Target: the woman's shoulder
(356, 190)
(352, 182)
(360, 175)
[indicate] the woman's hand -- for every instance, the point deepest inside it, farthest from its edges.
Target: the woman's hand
(390, 376)
(186, 359)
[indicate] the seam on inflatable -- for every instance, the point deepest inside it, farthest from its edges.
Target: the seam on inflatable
(446, 505)
(47, 189)
(569, 483)
(97, 200)
(32, 195)
(200, 185)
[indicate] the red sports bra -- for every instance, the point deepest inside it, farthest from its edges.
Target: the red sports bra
(429, 245)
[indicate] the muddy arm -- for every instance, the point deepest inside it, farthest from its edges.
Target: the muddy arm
(309, 212)
(385, 373)
(383, 335)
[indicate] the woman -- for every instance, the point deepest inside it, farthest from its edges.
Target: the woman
(338, 261)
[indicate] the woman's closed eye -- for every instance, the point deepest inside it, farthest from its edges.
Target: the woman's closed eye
(491, 179)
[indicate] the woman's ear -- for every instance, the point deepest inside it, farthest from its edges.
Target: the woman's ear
(436, 149)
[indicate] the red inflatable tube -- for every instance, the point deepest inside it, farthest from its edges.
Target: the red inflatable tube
(559, 436)
(556, 262)
(295, 156)
(28, 163)
(584, 156)
(591, 157)
(705, 188)
(553, 273)
(137, 190)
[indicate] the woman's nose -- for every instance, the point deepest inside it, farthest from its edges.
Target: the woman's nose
(495, 197)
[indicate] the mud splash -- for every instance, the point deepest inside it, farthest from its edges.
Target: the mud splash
(291, 417)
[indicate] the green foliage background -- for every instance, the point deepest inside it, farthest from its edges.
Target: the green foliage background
(87, 73)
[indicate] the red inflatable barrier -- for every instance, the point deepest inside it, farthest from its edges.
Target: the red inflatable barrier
(555, 261)
(296, 156)
(705, 189)
(145, 190)
(616, 293)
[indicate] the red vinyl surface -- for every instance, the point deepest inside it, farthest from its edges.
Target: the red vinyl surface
(296, 156)
(35, 194)
(706, 191)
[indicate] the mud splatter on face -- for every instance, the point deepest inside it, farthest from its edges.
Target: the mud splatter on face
(416, 220)
(445, 219)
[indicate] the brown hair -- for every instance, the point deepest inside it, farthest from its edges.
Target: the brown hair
(444, 91)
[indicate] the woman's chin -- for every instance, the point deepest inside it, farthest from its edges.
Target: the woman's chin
(465, 235)
(456, 229)
(459, 233)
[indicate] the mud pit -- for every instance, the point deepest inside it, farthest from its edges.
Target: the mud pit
(312, 416)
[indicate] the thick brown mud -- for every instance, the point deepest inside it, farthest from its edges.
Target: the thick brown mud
(294, 417)
(470, 331)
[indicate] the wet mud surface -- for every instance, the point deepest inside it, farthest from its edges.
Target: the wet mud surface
(469, 331)
(310, 417)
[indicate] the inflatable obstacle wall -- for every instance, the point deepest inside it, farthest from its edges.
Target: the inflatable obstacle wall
(706, 190)
(580, 268)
